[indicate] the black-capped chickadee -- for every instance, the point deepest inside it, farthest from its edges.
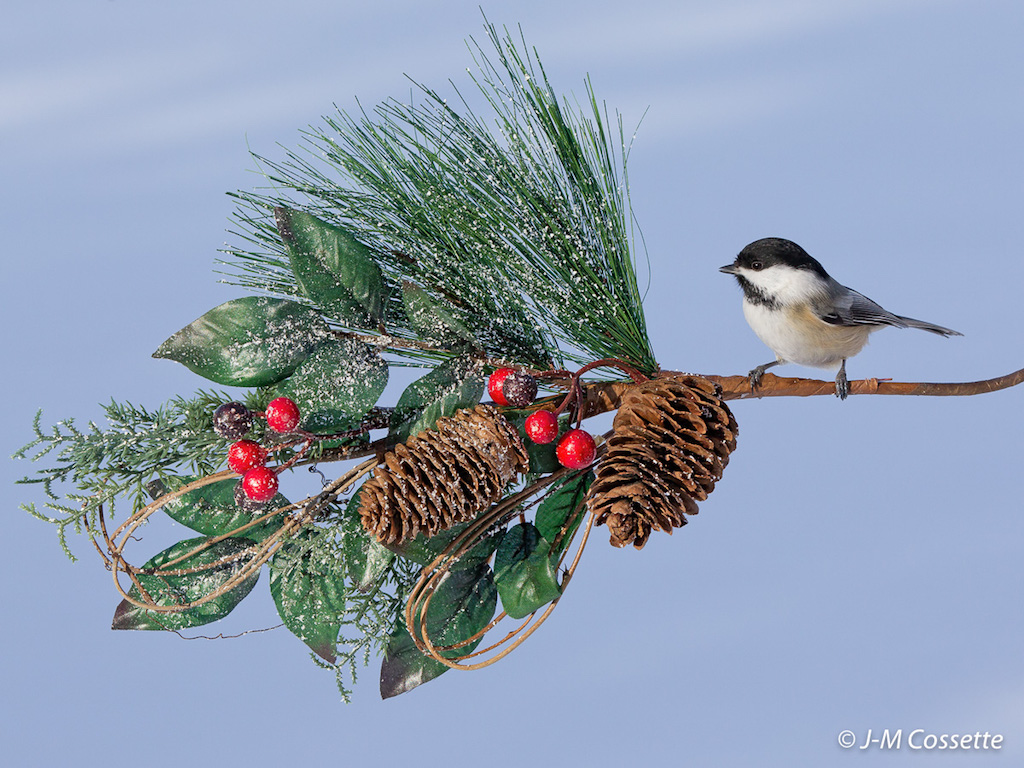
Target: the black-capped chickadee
(802, 314)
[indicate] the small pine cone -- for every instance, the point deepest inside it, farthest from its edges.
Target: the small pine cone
(671, 439)
(443, 476)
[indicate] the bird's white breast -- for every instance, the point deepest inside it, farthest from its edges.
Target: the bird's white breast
(796, 335)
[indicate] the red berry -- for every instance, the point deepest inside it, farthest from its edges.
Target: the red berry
(542, 427)
(246, 454)
(260, 484)
(282, 414)
(243, 502)
(576, 449)
(494, 383)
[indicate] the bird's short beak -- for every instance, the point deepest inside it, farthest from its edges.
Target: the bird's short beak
(729, 269)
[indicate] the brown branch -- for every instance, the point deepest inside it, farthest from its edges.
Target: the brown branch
(601, 397)
(738, 387)
(388, 341)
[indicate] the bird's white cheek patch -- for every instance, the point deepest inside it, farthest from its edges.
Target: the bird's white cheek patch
(786, 284)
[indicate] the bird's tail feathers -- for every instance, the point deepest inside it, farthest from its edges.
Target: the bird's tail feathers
(912, 323)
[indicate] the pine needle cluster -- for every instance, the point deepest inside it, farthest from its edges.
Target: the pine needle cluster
(521, 223)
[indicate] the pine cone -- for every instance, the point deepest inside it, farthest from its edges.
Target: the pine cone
(443, 476)
(671, 439)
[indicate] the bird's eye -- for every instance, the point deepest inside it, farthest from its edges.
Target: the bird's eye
(756, 265)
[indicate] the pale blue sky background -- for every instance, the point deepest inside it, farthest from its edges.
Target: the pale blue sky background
(860, 565)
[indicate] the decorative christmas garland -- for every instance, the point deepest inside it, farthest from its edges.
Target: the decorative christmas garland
(416, 237)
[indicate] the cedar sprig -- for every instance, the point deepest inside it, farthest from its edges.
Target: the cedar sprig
(137, 445)
(367, 615)
(370, 620)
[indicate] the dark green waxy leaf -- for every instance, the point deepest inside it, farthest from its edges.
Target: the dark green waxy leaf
(452, 385)
(424, 551)
(332, 268)
(366, 560)
(254, 341)
(525, 571)
(211, 510)
(543, 460)
(336, 385)
(307, 583)
(462, 605)
(561, 512)
(167, 590)
(431, 319)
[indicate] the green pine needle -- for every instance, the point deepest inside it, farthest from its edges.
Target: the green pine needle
(524, 231)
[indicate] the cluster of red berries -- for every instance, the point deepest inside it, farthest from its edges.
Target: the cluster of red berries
(576, 449)
(247, 457)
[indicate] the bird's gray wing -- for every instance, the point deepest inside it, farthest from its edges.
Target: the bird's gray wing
(848, 308)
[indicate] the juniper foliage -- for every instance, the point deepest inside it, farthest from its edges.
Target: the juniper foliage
(137, 445)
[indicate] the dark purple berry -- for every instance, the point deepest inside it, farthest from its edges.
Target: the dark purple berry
(519, 389)
(244, 502)
(232, 420)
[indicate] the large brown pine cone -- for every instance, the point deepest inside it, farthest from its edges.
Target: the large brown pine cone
(442, 476)
(671, 439)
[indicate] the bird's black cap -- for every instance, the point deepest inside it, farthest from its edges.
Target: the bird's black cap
(771, 251)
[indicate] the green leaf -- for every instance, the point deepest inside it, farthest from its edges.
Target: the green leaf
(211, 510)
(169, 590)
(564, 509)
(308, 586)
(525, 572)
(431, 319)
(336, 385)
(452, 385)
(366, 559)
(332, 268)
(543, 460)
(254, 341)
(424, 551)
(462, 605)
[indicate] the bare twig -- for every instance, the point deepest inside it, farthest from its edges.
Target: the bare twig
(738, 387)
(419, 600)
(254, 557)
(602, 397)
